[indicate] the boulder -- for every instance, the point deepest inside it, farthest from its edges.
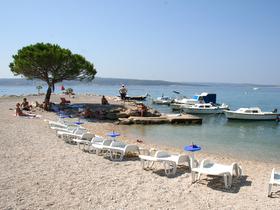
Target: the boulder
(111, 116)
(122, 115)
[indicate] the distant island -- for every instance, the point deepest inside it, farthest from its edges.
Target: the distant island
(96, 81)
(117, 82)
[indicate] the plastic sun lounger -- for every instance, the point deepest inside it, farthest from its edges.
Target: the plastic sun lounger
(117, 150)
(75, 130)
(58, 126)
(87, 143)
(169, 161)
(274, 180)
(208, 167)
(59, 123)
(69, 129)
(100, 147)
(69, 137)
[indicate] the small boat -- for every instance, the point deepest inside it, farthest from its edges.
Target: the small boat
(163, 100)
(205, 108)
(137, 98)
(252, 113)
(177, 92)
(196, 99)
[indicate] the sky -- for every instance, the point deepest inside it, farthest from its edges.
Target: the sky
(229, 41)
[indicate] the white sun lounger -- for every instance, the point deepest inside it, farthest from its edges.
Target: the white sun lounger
(117, 150)
(99, 147)
(69, 137)
(76, 131)
(274, 180)
(170, 161)
(208, 167)
(60, 124)
(88, 142)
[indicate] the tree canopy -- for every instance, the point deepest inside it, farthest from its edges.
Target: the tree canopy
(52, 64)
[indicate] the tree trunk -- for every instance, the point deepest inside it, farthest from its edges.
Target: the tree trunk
(47, 98)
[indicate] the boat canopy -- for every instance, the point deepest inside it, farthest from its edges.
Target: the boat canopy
(206, 97)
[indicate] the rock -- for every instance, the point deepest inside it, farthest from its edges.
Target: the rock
(116, 110)
(122, 115)
(132, 112)
(125, 121)
(111, 116)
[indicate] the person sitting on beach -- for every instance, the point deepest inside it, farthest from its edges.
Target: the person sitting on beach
(87, 113)
(19, 112)
(39, 105)
(123, 92)
(25, 105)
(104, 101)
(142, 109)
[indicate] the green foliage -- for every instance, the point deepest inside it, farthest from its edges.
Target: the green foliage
(51, 63)
(69, 91)
(39, 87)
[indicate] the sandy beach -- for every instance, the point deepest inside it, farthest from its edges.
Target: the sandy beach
(41, 171)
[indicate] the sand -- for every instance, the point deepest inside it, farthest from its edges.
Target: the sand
(40, 171)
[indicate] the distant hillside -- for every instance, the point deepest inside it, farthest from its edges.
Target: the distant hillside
(97, 80)
(119, 81)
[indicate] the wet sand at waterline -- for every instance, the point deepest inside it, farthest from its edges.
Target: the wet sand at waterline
(40, 171)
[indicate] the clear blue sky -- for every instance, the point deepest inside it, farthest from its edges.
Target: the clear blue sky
(236, 41)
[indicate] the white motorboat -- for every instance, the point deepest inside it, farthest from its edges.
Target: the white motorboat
(197, 99)
(204, 108)
(163, 100)
(252, 113)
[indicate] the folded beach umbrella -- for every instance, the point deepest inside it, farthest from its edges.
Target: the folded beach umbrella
(62, 87)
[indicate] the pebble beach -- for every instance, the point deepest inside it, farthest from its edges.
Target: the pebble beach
(40, 171)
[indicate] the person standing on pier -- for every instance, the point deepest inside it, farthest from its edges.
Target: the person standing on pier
(123, 92)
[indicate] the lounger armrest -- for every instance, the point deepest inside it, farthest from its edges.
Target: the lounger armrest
(272, 176)
(69, 134)
(96, 139)
(131, 148)
(161, 154)
(204, 162)
(184, 158)
(236, 169)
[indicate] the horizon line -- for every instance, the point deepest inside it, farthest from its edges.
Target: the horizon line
(159, 80)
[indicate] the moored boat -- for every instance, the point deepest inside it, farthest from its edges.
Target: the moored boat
(196, 99)
(252, 113)
(137, 98)
(163, 100)
(204, 108)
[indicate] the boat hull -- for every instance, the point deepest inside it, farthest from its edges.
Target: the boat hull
(244, 116)
(203, 111)
(162, 102)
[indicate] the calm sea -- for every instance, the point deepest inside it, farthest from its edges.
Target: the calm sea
(251, 140)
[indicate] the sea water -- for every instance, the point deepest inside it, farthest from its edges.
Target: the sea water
(242, 139)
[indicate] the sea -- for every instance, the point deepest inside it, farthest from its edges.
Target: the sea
(258, 141)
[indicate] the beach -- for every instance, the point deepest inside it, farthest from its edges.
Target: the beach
(40, 171)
